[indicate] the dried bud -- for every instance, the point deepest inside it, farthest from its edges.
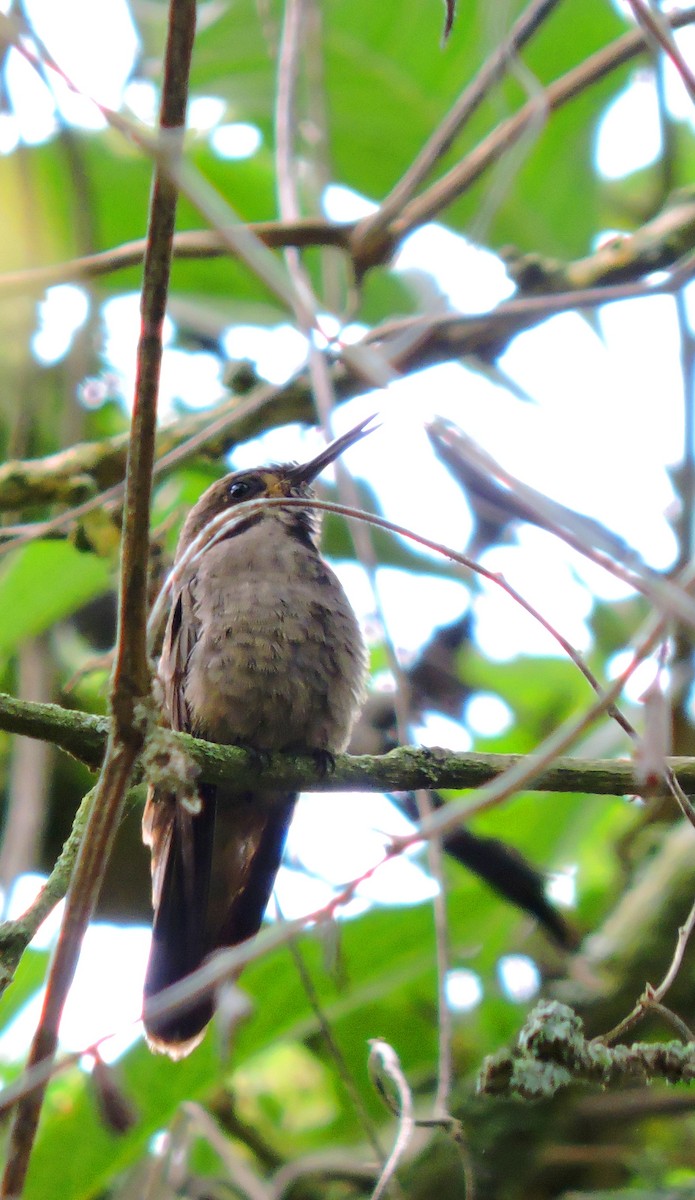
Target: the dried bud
(655, 744)
(117, 1111)
(231, 1007)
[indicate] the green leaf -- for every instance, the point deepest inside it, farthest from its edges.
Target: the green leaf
(43, 583)
(28, 979)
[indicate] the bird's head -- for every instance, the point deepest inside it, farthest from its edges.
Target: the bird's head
(277, 481)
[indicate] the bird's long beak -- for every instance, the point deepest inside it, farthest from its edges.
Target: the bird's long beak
(307, 472)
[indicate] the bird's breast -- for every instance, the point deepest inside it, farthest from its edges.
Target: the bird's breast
(278, 660)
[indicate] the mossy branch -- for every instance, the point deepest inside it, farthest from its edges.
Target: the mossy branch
(88, 468)
(552, 1052)
(408, 767)
(176, 759)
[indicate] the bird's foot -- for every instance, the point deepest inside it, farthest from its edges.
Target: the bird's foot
(325, 762)
(259, 758)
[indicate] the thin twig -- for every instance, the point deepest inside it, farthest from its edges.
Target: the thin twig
(654, 995)
(457, 813)
(289, 52)
(324, 1166)
(16, 935)
(200, 244)
(334, 1051)
(445, 1029)
(288, 197)
(285, 115)
(686, 474)
(27, 788)
(669, 1017)
(671, 598)
(386, 1073)
(245, 1179)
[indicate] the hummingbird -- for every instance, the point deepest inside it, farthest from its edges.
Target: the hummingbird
(261, 650)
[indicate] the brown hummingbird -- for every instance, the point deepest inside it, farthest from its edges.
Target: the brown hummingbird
(261, 650)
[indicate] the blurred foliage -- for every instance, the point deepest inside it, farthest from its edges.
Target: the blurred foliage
(280, 1096)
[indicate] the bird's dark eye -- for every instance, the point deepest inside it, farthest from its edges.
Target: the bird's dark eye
(240, 489)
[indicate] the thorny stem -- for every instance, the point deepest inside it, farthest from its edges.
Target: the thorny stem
(668, 597)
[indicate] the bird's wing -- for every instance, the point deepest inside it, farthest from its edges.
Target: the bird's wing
(162, 812)
(179, 640)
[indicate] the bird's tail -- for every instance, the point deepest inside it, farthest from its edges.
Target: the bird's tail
(213, 872)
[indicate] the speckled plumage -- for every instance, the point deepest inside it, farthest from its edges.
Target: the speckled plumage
(277, 661)
(263, 650)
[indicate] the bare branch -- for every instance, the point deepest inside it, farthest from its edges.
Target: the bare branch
(200, 244)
